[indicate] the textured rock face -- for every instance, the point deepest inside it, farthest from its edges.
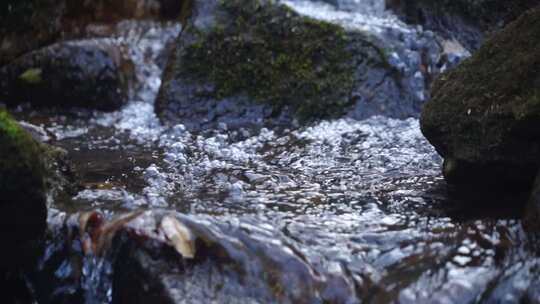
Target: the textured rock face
(23, 209)
(27, 24)
(531, 220)
(169, 257)
(484, 116)
(255, 60)
(466, 21)
(69, 74)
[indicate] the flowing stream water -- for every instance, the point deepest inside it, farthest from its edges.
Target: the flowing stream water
(362, 202)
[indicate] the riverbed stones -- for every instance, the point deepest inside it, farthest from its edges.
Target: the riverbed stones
(484, 116)
(87, 74)
(242, 62)
(23, 209)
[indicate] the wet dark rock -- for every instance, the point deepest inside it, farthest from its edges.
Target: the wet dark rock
(532, 213)
(113, 10)
(483, 117)
(464, 20)
(231, 264)
(249, 62)
(86, 74)
(57, 275)
(23, 190)
(31, 173)
(138, 257)
(81, 16)
(16, 289)
(26, 25)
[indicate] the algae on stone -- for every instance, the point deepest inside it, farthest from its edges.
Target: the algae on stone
(32, 76)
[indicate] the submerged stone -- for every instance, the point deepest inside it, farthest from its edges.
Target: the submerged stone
(484, 116)
(85, 74)
(243, 62)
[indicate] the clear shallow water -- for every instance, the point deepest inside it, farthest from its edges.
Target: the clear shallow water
(360, 202)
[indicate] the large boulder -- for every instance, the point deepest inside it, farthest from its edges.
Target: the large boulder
(23, 178)
(242, 62)
(484, 116)
(467, 21)
(88, 74)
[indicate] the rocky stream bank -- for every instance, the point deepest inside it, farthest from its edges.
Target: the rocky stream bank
(260, 151)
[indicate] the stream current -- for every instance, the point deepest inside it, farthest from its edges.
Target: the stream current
(362, 201)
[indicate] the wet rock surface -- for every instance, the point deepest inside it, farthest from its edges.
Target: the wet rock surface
(414, 57)
(463, 20)
(228, 59)
(84, 19)
(240, 262)
(23, 194)
(532, 211)
(27, 25)
(482, 117)
(229, 67)
(85, 74)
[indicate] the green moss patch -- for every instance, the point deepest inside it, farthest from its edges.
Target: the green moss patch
(275, 56)
(32, 76)
(21, 166)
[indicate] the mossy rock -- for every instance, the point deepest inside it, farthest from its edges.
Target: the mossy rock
(23, 174)
(484, 116)
(261, 57)
(86, 74)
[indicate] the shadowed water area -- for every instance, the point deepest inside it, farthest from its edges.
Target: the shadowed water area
(350, 210)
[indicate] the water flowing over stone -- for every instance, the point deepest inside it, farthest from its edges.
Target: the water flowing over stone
(347, 210)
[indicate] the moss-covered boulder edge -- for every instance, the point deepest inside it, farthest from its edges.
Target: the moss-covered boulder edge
(484, 116)
(23, 189)
(32, 175)
(270, 53)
